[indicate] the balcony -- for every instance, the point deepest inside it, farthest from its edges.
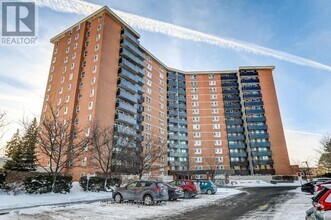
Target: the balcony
(139, 138)
(171, 76)
(182, 114)
(181, 77)
(233, 121)
(233, 91)
(140, 99)
(236, 137)
(255, 111)
(140, 108)
(173, 97)
(237, 146)
(126, 96)
(252, 95)
(181, 106)
(125, 33)
(227, 98)
(177, 145)
(125, 130)
(174, 90)
(173, 120)
(134, 49)
(130, 56)
(125, 118)
(173, 137)
(232, 114)
(240, 129)
(174, 163)
(183, 122)
(260, 144)
(141, 81)
(182, 99)
(183, 130)
(253, 103)
(140, 90)
(181, 92)
(172, 83)
(263, 162)
(250, 81)
(238, 154)
(126, 107)
(173, 128)
(128, 75)
(172, 113)
(172, 105)
(261, 153)
(265, 172)
(181, 85)
(122, 83)
(139, 127)
(139, 118)
(238, 163)
(177, 154)
(183, 138)
(232, 106)
(245, 88)
(231, 77)
(249, 73)
(260, 135)
(256, 119)
(257, 127)
(230, 84)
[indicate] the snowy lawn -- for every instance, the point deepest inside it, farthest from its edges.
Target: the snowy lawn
(110, 210)
(260, 183)
(26, 200)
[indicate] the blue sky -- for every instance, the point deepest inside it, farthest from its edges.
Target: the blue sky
(297, 27)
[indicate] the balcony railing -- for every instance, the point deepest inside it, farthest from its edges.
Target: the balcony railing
(254, 103)
(130, 56)
(248, 73)
(260, 144)
(261, 135)
(127, 34)
(122, 83)
(237, 146)
(256, 119)
(229, 77)
(184, 122)
(177, 145)
(257, 127)
(245, 88)
(182, 106)
(255, 111)
(173, 128)
(172, 105)
(132, 47)
(233, 114)
(236, 137)
(261, 153)
(182, 99)
(239, 163)
(183, 130)
(173, 120)
(233, 121)
(251, 95)
(172, 113)
(234, 91)
(263, 162)
(182, 92)
(126, 107)
(241, 129)
(125, 118)
(183, 114)
(127, 96)
(181, 78)
(232, 106)
(238, 154)
(229, 84)
(250, 81)
(128, 75)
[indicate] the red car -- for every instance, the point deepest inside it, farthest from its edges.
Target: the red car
(190, 187)
(321, 205)
(320, 186)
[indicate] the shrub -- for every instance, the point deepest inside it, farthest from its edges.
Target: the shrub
(285, 178)
(43, 184)
(96, 183)
(2, 179)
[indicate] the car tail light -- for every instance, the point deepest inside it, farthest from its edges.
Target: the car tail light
(157, 188)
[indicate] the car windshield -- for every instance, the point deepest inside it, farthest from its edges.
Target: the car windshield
(160, 184)
(320, 194)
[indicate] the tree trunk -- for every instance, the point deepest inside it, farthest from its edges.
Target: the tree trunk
(54, 181)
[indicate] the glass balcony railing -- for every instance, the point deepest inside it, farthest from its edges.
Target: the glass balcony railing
(227, 98)
(172, 83)
(256, 119)
(173, 128)
(245, 88)
(250, 81)
(127, 96)
(261, 153)
(182, 114)
(238, 154)
(122, 83)
(232, 114)
(183, 130)
(130, 56)
(255, 111)
(237, 146)
(257, 127)
(239, 163)
(173, 137)
(172, 113)
(173, 90)
(181, 77)
(172, 105)
(229, 84)
(263, 162)
(260, 144)
(249, 73)
(127, 34)
(236, 137)
(234, 91)
(182, 92)
(240, 129)
(172, 76)
(128, 75)
(130, 66)
(232, 106)
(183, 122)
(258, 135)
(252, 95)
(233, 121)
(139, 108)
(178, 145)
(254, 103)
(181, 106)
(127, 44)
(182, 99)
(231, 77)
(173, 120)
(126, 107)
(125, 119)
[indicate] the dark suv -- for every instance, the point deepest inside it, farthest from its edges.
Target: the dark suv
(190, 187)
(146, 191)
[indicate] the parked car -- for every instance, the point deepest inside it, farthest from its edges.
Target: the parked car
(207, 187)
(190, 187)
(310, 186)
(174, 192)
(320, 186)
(147, 191)
(321, 209)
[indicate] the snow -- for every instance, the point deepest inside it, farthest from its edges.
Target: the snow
(260, 183)
(27, 200)
(111, 210)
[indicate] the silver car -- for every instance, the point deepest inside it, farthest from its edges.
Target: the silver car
(148, 192)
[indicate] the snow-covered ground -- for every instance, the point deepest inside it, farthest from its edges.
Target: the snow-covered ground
(26, 200)
(260, 183)
(110, 210)
(293, 209)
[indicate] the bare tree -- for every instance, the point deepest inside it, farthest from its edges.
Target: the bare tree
(212, 164)
(59, 142)
(109, 149)
(3, 123)
(152, 158)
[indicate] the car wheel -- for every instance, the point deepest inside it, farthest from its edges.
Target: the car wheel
(187, 194)
(118, 198)
(209, 192)
(148, 200)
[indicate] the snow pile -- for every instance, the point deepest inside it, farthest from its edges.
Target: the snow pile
(110, 210)
(260, 183)
(26, 200)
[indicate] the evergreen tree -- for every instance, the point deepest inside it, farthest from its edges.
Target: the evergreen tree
(14, 151)
(29, 145)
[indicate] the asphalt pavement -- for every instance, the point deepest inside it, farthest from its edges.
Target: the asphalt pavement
(261, 200)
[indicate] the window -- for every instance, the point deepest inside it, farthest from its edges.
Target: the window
(69, 87)
(94, 69)
(73, 56)
(75, 45)
(149, 66)
(64, 69)
(52, 69)
(69, 40)
(196, 134)
(211, 76)
(78, 27)
(72, 66)
(59, 101)
(148, 127)
(218, 151)
(195, 111)
(65, 59)
(100, 18)
(161, 75)
(50, 78)
(193, 76)
(87, 132)
(148, 100)
(194, 83)
(213, 96)
(77, 108)
(148, 108)
(214, 111)
(89, 118)
(149, 74)
(87, 43)
(214, 104)
(85, 53)
(97, 47)
(67, 99)
(196, 119)
(149, 83)
(197, 143)
(194, 90)
(98, 37)
(198, 168)
(90, 105)
(197, 151)
(71, 76)
(65, 111)
(215, 118)
(195, 97)
(220, 167)
(195, 104)
(218, 142)
(67, 50)
(149, 59)
(61, 90)
(148, 117)
(54, 60)
(82, 75)
(95, 58)
(84, 63)
(77, 36)
(55, 51)
(212, 83)
(91, 92)
(99, 27)
(217, 134)
(149, 91)
(198, 159)
(76, 121)
(196, 127)
(93, 80)
(212, 89)
(219, 159)
(216, 126)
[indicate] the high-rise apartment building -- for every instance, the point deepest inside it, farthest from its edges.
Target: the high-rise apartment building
(224, 120)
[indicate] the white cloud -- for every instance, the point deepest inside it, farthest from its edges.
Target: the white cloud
(86, 8)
